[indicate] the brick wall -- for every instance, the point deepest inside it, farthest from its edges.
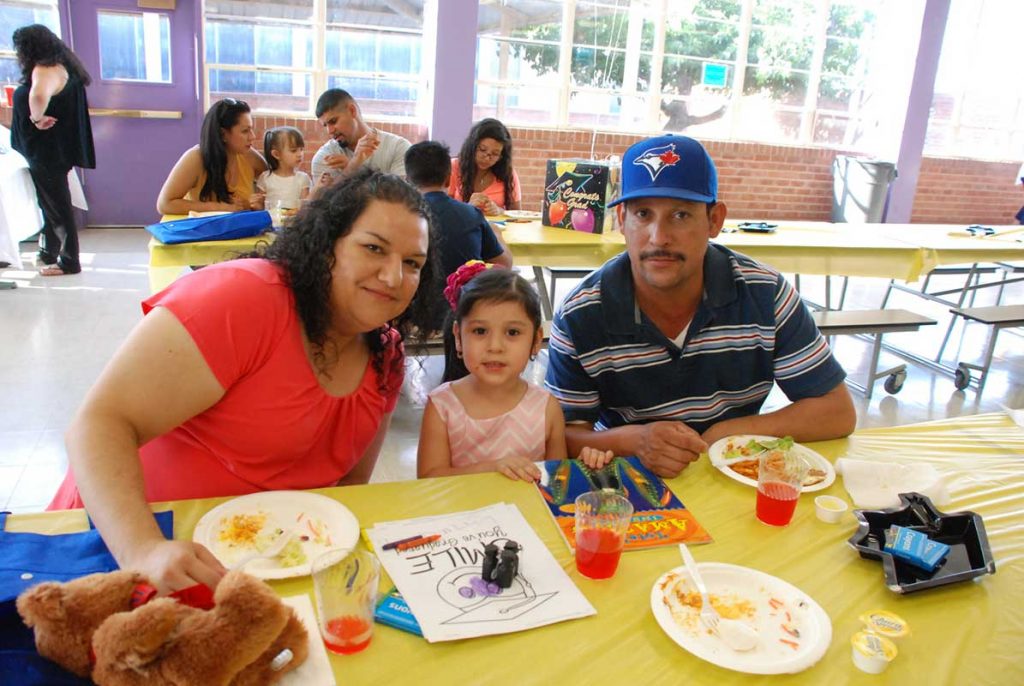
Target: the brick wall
(961, 191)
(757, 181)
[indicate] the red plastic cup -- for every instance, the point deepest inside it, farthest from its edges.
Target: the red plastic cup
(602, 518)
(9, 95)
(780, 479)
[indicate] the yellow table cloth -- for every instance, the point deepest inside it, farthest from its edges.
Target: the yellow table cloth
(967, 633)
(795, 247)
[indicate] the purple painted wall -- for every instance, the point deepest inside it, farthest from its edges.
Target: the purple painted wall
(915, 126)
(133, 156)
(453, 75)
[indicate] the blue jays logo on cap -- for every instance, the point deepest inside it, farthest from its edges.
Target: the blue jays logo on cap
(657, 159)
(668, 166)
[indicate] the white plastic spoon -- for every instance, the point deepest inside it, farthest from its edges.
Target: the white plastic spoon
(271, 551)
(736, 634)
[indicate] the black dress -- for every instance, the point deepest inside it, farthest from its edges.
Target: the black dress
(51, 154)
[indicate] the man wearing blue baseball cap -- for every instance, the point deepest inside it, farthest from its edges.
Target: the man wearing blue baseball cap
(678, 341)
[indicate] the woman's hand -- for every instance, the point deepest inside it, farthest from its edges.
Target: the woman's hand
(486, 205)
(257, 201)
(239, 203)
(174, 565)
(518, 468)
(46, 122)
(594, 458)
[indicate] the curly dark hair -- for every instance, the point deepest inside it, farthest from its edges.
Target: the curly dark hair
(305, 250)
(37, 45)
(222, 115)
(502, 169)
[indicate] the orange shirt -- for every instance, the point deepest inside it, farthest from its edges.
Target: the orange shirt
(275, 427)
(496, 191)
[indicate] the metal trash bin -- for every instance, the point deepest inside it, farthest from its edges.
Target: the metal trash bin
(860, 188)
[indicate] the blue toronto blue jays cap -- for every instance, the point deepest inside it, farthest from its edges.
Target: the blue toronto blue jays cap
(668, 167)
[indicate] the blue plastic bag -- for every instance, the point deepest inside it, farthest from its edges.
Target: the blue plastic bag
(222, 227)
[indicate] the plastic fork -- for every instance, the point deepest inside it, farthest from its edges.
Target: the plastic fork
(735, 634)
(271, 551)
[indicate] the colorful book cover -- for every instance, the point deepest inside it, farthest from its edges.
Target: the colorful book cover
(659, 518)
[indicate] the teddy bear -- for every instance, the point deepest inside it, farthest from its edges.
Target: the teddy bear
(243, 641)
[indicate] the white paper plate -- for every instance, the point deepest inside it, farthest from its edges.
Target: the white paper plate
(717, 455)
(735, 584)
(522, 214)
(308, 512)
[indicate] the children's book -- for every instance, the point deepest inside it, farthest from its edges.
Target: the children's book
(659, 518)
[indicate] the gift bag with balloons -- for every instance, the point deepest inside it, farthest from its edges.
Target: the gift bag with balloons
(576, 195)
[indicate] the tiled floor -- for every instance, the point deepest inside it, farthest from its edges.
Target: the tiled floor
(57, 333)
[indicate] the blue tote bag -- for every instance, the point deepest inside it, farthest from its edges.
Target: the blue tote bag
(222, 227)
(27, 559)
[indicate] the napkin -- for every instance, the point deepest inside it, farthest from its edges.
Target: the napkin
(316, 670)
(877, 485)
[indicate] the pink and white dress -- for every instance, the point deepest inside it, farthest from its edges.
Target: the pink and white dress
(518, 432)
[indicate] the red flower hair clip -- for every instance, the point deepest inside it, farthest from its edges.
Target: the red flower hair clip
(460, 277)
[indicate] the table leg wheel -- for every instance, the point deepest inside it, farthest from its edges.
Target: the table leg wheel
(962, 377)
(894, 382)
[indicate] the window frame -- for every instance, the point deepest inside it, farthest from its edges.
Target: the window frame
(319, 74)
(658, 13)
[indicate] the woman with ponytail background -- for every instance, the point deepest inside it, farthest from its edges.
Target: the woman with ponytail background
(218, 174)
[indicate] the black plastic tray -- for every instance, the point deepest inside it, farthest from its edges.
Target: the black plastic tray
(964, 532)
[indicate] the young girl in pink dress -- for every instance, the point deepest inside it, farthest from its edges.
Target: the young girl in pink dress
(485, 417)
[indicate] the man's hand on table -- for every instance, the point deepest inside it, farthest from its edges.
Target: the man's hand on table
(667, 448)
(174, 565)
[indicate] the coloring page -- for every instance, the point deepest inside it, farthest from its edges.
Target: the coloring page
(442, 579)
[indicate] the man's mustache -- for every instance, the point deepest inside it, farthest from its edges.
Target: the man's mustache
(662, 254)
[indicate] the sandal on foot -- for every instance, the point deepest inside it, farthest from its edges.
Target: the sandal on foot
(51, 270)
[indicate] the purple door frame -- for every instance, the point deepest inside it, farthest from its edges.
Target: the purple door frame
(133, 156)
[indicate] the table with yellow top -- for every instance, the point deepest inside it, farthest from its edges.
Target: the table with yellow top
(794, 247)
(966, 633)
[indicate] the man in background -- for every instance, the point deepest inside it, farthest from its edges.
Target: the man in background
(353, 143)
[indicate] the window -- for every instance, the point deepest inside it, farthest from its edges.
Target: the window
(279, 55)
(15, 13)
(767, 70)
(978, 104)
(135, 46)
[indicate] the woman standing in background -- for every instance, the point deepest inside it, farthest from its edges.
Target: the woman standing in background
(483, 175)
(51, 129)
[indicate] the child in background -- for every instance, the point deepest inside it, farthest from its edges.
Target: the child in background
(283, 185)
(485, 417)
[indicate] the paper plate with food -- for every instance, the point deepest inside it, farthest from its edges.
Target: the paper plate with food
(291, 527)
(522, 215)
(738, 457)
(793, 631)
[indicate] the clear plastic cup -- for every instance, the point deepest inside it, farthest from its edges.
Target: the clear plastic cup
(602, 518)
(780, 478)
(345, 584)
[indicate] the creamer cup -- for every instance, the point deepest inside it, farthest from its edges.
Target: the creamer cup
(872, 653)
(885, 623)
(829, 508)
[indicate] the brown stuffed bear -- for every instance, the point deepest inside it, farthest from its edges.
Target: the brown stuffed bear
(65, 616)
(238, 643)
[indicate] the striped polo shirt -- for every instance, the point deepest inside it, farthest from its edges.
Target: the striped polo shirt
(610, 365)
